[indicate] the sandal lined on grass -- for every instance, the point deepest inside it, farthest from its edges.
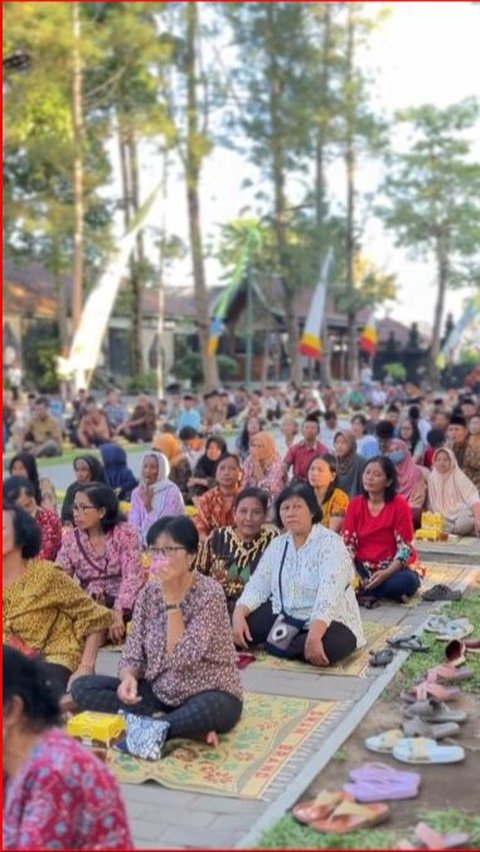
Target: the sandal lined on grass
(319, 807)
(425, 750)
(374, 781)
(350, 816)
(433, 710)
(442, 592)
(417, 727)
(408, 643)
(427, 689)
(384, 743)
(431, 839)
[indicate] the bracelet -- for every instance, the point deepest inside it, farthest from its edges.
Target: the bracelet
(172, 606)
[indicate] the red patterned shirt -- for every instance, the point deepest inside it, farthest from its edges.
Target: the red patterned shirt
(64, 798)
(51, 527)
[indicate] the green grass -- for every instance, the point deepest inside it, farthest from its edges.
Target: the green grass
(418, 663)
(288, 834)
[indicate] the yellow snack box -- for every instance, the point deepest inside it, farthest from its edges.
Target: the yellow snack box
(96, 729)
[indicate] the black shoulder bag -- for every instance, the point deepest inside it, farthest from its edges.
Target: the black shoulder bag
(285, 627)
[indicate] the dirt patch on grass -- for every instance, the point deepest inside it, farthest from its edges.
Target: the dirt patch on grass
(443, 787)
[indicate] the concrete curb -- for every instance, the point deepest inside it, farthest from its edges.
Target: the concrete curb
(281, 805)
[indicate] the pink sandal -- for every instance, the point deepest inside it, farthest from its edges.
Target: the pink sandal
(427, 689)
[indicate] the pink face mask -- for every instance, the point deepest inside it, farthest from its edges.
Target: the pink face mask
(158, 562)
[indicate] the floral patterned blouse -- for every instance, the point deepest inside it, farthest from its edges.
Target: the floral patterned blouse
(51, 527)
(273, 480)
(118, 574)
(317, 580)
(64, 798)
(204, 658)
(51, 613)
(230, 560)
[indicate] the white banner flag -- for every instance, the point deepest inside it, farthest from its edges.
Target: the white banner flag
(89, 335)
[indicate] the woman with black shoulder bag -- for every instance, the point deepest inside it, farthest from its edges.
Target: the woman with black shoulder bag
(300, 603)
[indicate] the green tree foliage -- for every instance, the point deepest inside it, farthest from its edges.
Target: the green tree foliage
(433, 198)
(39, 211)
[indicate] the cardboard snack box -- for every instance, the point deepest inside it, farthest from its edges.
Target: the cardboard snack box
(99, 730)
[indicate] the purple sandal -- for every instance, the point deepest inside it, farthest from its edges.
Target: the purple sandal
(373, 782)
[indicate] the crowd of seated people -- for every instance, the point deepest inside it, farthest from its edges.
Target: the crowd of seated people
(287, 531)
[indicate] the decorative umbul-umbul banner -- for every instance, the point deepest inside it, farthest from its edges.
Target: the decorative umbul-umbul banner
(369, 337)
(311, 342)
(89, 335)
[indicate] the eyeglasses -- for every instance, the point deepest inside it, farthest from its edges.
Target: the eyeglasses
(164, 551)
(79, 509)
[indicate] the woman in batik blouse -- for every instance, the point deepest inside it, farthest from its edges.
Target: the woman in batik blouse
(231, 553)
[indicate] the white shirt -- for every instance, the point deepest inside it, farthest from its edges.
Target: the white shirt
(316, 580)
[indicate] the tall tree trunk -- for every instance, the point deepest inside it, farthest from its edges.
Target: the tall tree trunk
(161, 281)
(280, 215)
(137, 265)
(320, 182)
(77, 296)
(193, 166)
(350, 163)
(441, 256)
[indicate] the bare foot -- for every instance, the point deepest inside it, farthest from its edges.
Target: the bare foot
(212, 739)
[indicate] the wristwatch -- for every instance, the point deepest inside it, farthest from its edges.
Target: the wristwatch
(172, 606)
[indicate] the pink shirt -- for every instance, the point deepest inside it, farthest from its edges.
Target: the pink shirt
(118, 573)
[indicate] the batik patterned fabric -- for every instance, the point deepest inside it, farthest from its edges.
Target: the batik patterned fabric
(64, 798)
(230, 560)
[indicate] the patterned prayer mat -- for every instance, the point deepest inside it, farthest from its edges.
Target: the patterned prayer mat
(457, 576)
(272, 730)
(356, 665)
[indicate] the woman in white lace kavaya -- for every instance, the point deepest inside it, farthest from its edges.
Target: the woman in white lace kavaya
(300, 601)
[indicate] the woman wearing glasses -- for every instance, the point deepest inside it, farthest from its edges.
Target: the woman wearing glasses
(179, 658)
(103, 553)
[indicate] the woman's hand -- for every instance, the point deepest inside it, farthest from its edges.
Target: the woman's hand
(314, 652)
(145, 493)
(241, 632)
(127, 690)
(378, 578)
(116, 631)
(83, 670)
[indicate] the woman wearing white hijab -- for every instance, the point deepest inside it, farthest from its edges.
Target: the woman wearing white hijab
(453, 495)
(156, 496)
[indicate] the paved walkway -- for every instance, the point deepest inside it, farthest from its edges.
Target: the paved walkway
(167, 819)
(162, 818)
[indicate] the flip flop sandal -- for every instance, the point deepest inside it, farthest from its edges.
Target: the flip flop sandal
(426, 690)
(432, 839)
(455, 631)
(368, 601)
(423, 750)
(378, 781)
(441, 592)
(434, 711)
(384, 743)
(244, 659)
(381, 658)
(436, 623)
(472, 646)
(320, 807)
(445, 673)
(408, 643)
(455, 652)
(417, 727)
(349, 816)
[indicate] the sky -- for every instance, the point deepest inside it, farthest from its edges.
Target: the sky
(423, 53)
